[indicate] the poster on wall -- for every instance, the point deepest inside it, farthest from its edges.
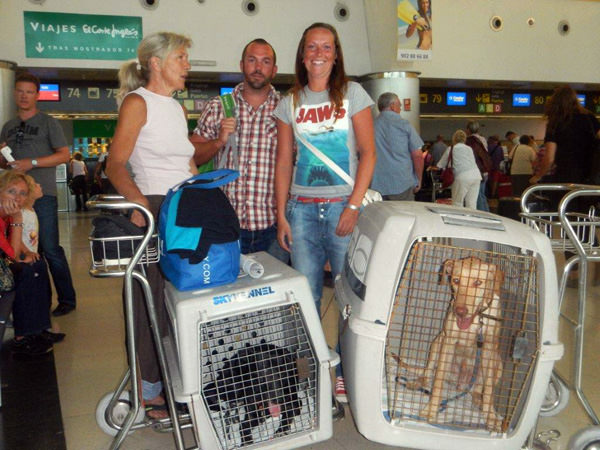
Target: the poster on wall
(415, 34)
(81, 36)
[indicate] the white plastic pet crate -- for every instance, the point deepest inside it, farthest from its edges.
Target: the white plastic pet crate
(252, 358)
(396, 294)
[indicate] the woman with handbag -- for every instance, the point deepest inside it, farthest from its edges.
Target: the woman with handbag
(523, 158)
(317, 208)
(467, 176)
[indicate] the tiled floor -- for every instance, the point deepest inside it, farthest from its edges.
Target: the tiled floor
(90, 362)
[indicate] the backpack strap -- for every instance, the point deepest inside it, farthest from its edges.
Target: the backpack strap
(208, 180)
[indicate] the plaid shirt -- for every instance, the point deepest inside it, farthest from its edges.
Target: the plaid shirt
(252, 195)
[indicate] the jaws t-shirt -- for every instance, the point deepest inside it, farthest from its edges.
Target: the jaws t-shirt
(316, 120)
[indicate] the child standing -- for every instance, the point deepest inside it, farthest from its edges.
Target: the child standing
(33, 295)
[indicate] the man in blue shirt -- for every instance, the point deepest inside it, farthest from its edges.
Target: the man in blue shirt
(399, 167)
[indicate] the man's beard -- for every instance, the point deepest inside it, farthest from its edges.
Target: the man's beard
(257, 84)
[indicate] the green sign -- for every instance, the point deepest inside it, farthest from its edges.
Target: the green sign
(81, 36)
(97, 128)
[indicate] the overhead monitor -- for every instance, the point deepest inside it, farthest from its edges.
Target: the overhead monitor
(521, 100)
(225, 90)
(456, 99)
(581, 98)
(49, 92)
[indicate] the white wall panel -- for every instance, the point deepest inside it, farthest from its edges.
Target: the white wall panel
(465, 47)
(219, 28)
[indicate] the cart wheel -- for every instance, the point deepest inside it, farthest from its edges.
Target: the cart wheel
(586, 439)
(556, 399)
(119, 412)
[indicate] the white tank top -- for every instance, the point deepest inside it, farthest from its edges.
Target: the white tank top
(78, 167)
(162, 152)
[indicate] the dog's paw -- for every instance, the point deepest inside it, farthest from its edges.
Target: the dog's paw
(429, 414)
(282, 432)
(493, 422)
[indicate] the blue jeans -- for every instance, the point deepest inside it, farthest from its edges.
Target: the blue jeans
(482, 204)
(263, 241)
(33, 295)
(314, 242)
(46, 210)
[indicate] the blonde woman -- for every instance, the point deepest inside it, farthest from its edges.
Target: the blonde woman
(151, 136)
(467, 177)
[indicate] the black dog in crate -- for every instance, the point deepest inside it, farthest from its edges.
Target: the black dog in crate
(263, 379)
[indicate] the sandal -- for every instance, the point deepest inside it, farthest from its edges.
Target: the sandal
(156, 412)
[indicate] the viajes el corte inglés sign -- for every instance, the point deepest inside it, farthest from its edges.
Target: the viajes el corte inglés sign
(81, 36)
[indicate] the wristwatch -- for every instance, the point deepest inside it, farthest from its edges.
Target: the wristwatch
(34, 162)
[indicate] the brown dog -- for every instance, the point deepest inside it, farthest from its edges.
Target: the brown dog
(473, 319)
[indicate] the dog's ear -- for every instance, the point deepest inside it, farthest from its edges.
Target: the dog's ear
(446, 270)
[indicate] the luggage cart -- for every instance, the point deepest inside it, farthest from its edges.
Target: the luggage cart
(120, 412)
(574, 232)
(397, 295)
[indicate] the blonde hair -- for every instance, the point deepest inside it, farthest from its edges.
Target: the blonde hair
(459, 136)
(31, 185)
(10, 177)
(134, 74)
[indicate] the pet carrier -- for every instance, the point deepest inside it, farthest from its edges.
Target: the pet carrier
(252, 356)
(450, 328)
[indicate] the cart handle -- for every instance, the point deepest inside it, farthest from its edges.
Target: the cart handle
(586, 191)
(550, 187)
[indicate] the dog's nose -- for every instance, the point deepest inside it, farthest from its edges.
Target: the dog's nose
(460, 311)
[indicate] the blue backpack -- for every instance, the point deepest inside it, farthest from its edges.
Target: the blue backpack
(199, 233)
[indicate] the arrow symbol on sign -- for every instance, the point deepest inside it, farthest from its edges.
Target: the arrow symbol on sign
(39, 47)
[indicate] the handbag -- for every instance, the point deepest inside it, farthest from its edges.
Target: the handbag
(447, 175)
(7, 279)
(199, 246)
(371, 195)
(511, 159)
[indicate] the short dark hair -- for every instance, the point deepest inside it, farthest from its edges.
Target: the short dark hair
(508, 133)
(260, 41)
(29, 78)
(525, 140)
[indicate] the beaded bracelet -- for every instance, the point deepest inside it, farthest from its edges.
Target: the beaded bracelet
(16, 224)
